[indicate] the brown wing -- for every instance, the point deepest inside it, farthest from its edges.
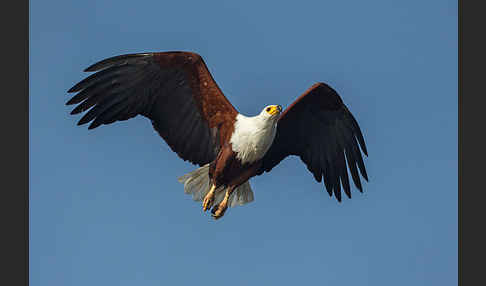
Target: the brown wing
(173, 89)
(320, 129)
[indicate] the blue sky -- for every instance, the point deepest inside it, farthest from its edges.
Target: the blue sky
(105, 205)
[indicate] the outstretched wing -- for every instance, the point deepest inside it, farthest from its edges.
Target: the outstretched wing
(320, 129)
(173, 89)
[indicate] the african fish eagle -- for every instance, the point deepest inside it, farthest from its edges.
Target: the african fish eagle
(176, 91)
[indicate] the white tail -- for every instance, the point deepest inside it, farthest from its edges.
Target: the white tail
(197, 183)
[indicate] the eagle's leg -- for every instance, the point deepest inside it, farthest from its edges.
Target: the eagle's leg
(218, 210)
(209, 198)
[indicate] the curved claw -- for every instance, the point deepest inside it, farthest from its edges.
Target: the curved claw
(208, 202)
(218, 211)
(209, 199)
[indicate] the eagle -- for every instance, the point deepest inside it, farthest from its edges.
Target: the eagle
(178, 94)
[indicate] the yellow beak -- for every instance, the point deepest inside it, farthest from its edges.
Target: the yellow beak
(275, 109)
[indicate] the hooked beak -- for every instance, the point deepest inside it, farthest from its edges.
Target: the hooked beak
(275, 109)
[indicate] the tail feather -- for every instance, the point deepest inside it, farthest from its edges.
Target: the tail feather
(242, 195)
(196, 183)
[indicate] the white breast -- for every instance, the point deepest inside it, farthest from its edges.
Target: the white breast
(252, 137)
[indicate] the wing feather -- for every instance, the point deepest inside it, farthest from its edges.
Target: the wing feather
(175, 90)
(320, 129)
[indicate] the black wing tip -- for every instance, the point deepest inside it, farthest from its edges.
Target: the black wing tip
(72, 101)
(75, 88)
(84, 120)
(357, 132)
(366, 177)
(113, 61)
(363, 148)
(363, 172)
(348, 193)
(334, 191)
(337, 191)
(358, 184)
(91, 126)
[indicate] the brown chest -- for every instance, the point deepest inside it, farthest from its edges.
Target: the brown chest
(228, 170)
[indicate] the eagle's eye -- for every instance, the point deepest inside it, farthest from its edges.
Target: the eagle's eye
(268, 109)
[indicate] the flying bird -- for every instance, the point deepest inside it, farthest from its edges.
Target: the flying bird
(176, 91)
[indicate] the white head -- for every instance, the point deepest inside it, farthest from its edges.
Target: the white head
(271, 112)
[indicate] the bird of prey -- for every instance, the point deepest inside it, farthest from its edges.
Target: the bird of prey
(176, 91)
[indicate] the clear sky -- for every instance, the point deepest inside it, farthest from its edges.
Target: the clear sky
(105, 204)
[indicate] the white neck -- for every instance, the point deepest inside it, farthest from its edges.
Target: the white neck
(252, 137)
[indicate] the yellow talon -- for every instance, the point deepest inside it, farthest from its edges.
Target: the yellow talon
(219, 210)
(209, 199)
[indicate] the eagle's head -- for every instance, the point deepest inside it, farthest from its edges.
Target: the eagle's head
(271, 112)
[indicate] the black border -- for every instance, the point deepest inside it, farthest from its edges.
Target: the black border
(15, 144)
(459, 143)
(460, 135)
(471, 144)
